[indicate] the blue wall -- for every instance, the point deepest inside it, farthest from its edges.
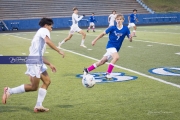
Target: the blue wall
(29, 24)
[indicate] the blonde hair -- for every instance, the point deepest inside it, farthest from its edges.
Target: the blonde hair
(120, 15)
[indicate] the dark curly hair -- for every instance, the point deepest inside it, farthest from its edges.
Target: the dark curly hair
(47, 21)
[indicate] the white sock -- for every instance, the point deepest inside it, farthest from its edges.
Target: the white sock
(82, 42)
(41, 95)
(16, 90)
(62, 42)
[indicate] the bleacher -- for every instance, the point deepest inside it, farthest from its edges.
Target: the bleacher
(19, 9)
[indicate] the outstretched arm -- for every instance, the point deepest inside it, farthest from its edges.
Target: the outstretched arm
(97, 38)
(77, 18)
(53, 68)
(129, 19)
(51, 45)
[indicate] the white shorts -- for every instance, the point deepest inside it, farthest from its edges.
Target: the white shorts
(91, 24)
(35, 70)
(74, 28)
(109, 52)
(131, 25)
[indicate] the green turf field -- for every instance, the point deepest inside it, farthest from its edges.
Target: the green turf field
(149, 97)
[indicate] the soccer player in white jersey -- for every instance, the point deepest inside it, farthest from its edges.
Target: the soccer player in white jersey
(75, 28)
(116, 37)
(132, 19)
(111, 18)
(37, 72)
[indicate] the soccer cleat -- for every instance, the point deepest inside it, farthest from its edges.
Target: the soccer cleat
(93, 30)
(82, 45)
(87, 30)
(6, 94)
(85, 71)
(108, 76)
(40, 109)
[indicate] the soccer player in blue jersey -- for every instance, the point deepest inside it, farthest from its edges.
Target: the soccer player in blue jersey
(116, 37)
(132, 19)
(91, 23)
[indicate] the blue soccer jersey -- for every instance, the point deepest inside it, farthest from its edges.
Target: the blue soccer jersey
(133, 18)
(92, 19)
(116, 36)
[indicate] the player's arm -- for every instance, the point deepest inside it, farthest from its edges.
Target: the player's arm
(77, 18)
(97, 38)
(109, 18)
(53, 68)
(129, 35)
(51, 45)
(137, 20)
(129, 19)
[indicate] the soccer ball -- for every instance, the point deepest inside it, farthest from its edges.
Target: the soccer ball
(88, 81)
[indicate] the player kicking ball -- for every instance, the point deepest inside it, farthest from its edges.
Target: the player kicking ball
(132, 19)
(116, 37)
(37, 72)
(75, 28)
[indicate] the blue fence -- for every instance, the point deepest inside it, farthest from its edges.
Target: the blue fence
(31, 24)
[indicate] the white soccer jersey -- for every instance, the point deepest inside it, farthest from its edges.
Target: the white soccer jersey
(75, 19)
(38, 44)
(112, 18)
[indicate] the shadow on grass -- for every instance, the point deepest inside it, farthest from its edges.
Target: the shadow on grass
(5, 108)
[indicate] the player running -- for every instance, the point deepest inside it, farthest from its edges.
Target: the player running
(111, 18)
(75, 28)
(91, 23)
(132, 19)
(37, 72)
(116, 38)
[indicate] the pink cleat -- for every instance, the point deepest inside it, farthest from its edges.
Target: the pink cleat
(40, 109)
(6, 94)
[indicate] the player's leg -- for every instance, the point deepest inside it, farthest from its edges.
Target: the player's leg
(93, 27)
(89, 27)
(83, 37)
(104, 59)
(65, 40)
(33, 86)
(42, 93)
(115, 58)
(134, 31)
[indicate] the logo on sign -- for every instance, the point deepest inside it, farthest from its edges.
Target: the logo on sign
(100, 77)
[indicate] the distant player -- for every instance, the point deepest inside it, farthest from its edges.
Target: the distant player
(75, 28)
(116, 38)
(132, 19)
(111, 18)
(91, 23)
(37, 72)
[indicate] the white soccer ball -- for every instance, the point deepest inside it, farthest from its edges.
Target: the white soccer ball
(88, 81)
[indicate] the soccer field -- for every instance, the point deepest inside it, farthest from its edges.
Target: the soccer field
(145, 86)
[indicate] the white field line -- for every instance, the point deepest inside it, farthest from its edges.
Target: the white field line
(142, 74)
(136, 40)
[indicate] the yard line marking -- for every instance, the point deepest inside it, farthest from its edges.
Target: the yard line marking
(142, 74)
(137, 40)
(19, 37)
(157, 32)
(178, 53)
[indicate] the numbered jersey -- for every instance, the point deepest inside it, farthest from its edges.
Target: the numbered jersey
(116, 36)
(133, 18)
